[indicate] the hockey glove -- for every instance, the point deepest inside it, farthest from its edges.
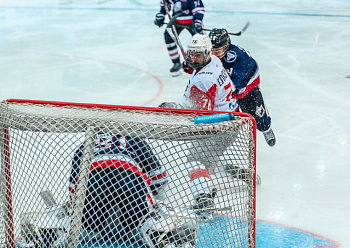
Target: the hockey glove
(187, 68)
(159, 21)
(197, 27)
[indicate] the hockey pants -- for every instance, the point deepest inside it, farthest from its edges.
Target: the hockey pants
(253, 103)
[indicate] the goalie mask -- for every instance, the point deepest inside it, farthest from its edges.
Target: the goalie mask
(199, 51)
(220, 40)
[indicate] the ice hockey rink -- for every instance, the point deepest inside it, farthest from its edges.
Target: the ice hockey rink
(109, 51)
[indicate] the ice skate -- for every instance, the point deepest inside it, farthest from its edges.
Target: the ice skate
(237, 172)
(242, 174)
(176, 70)
(270, 137)
(203, 201)
(205, 205)
(166, 227)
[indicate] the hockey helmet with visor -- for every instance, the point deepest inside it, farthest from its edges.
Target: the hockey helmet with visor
(220, 40)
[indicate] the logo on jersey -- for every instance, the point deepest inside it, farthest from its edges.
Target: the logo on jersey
(205, 72)
(233, 104)
(108, 141)
(230, 56)
(260, 111)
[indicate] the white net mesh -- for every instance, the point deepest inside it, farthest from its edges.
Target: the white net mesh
(75, 176)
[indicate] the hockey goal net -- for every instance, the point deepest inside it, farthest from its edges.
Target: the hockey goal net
(40, 208)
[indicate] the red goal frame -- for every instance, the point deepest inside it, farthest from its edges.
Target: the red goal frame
(9, 215)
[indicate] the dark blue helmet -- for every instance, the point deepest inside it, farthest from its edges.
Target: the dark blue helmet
(219, 37)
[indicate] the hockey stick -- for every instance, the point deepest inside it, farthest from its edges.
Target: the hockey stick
(170, 27)
(236, 34)
(189, 207)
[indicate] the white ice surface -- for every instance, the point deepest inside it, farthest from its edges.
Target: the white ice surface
(104, 51)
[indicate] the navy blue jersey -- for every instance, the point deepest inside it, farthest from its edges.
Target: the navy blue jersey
(240, 66)
(191, 10)
(116, 150)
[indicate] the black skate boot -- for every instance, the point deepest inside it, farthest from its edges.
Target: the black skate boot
(205, 200)
(176, 70)
(237, 172)
(204, 203)
(270, 137)
(242, 174)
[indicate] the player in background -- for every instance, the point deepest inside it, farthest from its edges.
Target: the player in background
(124, 177)
(244, 72)
(190, 19)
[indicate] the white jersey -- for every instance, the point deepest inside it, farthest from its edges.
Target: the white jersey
(210, 89)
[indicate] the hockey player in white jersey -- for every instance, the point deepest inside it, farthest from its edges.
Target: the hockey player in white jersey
(209, 88)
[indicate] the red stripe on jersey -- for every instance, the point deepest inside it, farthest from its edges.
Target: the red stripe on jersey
(196, 11)
(201, 99)
(119, 164)
(249, 88)
(228, 97)
(199, 173)
(184, 21)
(187, 21)
(159, 176)
(227, 86)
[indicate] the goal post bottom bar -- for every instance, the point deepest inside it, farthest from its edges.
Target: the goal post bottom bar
(120, 176)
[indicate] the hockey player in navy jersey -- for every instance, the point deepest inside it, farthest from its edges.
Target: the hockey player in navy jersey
(191, 19)
(244, 72)
(124, 177)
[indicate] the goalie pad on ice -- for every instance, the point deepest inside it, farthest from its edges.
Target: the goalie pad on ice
(43, 228)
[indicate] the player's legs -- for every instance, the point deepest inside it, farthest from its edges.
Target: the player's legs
(173, 52)
(200, 184)
(253, 103)
(199, 164)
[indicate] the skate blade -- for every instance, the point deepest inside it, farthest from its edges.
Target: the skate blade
(177, 73)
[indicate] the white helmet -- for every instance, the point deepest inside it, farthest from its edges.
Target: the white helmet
(199, 43)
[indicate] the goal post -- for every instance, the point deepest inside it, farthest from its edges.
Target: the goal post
(39, 144)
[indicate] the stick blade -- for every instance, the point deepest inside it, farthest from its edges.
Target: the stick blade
(245, 27)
